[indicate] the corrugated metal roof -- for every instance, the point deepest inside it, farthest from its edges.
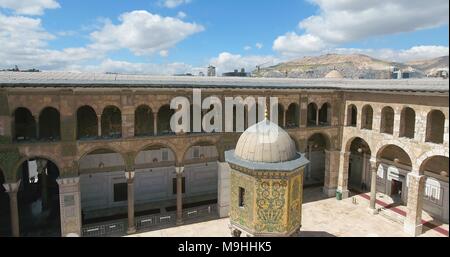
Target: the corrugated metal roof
(73, 79)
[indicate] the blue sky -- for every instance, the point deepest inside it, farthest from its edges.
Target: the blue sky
(171, 36)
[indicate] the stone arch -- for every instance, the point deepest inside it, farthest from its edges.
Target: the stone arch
(352, 115)
(103, 147)
(396, 154)
(111, 122)
(292, 115)
(87, 122)
(326, 137)
(164, 116)
(325, 114)
(316, 146)
(438, 167)
(435, 127)
(382, 144)
(200, 143)
(24, 124)
(49, 124)
(367, 117)
(143, 121)
(407, 122)
(157, 144)
(37, 156)
(312, 114)
(387, 120)
(359, 176)
(435, 152)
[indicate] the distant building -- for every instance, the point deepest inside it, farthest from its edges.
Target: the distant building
(211, 71)
(236, 73)
(201, 74)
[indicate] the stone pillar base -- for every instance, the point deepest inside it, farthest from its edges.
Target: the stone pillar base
(131, 230)
(372, 211)
(412, 229)
(344, 193)
(179, 222)
(224, 211)
(329, 192)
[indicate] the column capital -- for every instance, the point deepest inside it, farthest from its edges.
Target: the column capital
(130, 174)
(179, 170)
(68, 181)
(12, 187)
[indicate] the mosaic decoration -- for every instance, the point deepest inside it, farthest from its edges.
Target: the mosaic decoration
(242, 216)
(270, 201)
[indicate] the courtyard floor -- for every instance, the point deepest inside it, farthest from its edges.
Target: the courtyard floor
(321, 218)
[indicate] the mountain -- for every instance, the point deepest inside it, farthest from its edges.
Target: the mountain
(353, 66)
(431, 66)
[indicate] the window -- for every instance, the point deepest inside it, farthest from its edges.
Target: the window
(241, 197)
(120, 192)
(174, 186)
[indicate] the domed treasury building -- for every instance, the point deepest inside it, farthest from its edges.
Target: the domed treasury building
(266, 182)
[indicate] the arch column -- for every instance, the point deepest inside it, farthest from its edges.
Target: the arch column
(12, 189)
(416, 189)
(446, 131)
(397, 121)
(130, 198)
(99, 125)
(343, 174)
(179, 171)
(70, 206)
(155, 123)
(317, 116)
(331, 172)
(373, 186)
(284, 119)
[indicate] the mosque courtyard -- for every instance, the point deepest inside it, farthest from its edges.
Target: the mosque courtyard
(322, 217)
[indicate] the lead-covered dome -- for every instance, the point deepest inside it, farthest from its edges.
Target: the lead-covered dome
(334, 74)
(266, 142)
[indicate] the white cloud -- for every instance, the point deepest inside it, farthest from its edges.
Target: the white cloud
(143, 33)
(228, 62)
(259, 45)
(247, 48)
(29, 7)
(343, 21)
(174, 3)
(181, 15)
(292, 44)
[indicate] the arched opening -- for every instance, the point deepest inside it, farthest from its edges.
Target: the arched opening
(407, 122)
(38, 198)
(200, 175)
(436, 193)
(111, 122)
(281, 116)
(103, 188)
(325, 115)
(435, 127)
(5, 217)
(24, 125)
(359, 176)
(367, 117)
(395, 164)
(87, 123)
(352, 115)
(164, 115)
(312, 115)
(292, 116)
(315, 171)
(387, 120)
(154, 173)
(49, 124)
(143, 121)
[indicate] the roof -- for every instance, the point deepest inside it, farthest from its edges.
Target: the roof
(265, 142)
(334, 74)
(92, 80)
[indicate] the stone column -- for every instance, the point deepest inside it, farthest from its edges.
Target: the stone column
(416, 188)
(397, 121)
(373, 186)
(36, 118)
(446, 131)
(303, 112)
(130, 185)
(179, 171)
(317, 116)
(99, 120)
(155, 123)
(284, 119)
(12, 189)
(70, 206)
(343, 174)
(331, 172)
(224, 189)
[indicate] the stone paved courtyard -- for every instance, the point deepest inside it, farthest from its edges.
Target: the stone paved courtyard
(321, 218)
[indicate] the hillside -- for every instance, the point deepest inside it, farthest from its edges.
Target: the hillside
(354, 66)
(430, 66)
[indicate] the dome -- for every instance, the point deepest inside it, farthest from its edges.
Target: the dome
(266, 142)
(334, 74)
